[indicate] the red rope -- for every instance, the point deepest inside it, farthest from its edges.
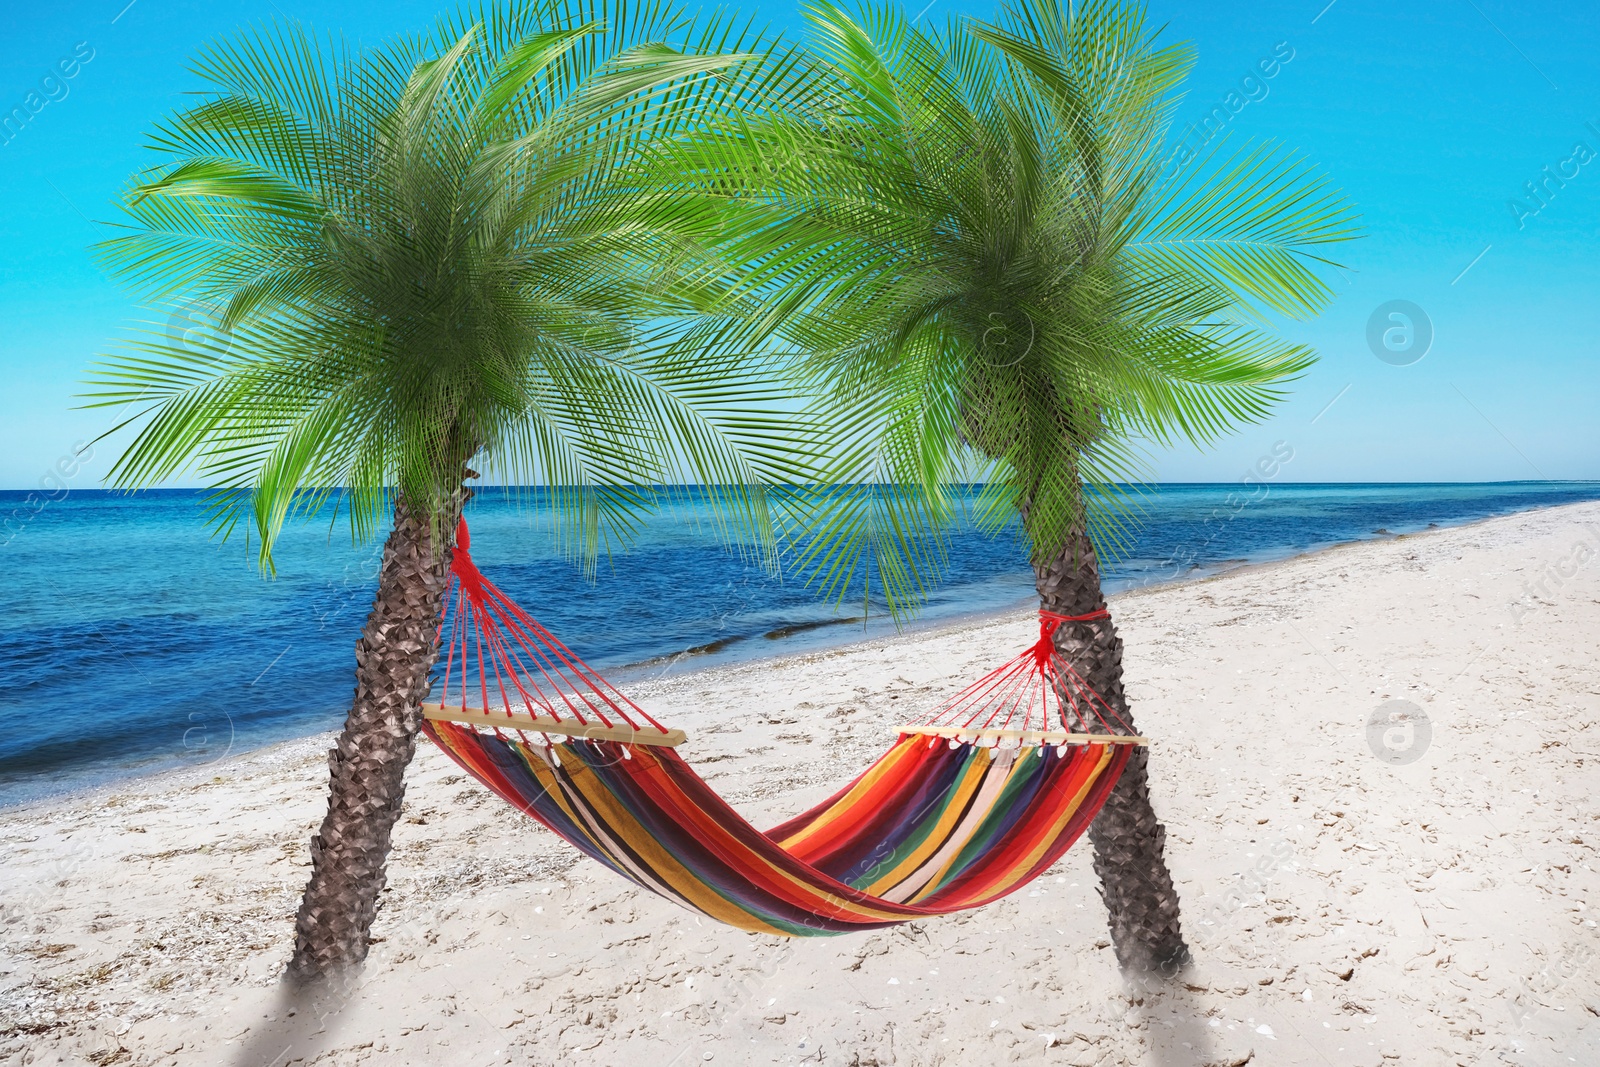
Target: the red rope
(1098, 613)
(529, 664)
(1037, 679)
(1049, 623)
(491, 630)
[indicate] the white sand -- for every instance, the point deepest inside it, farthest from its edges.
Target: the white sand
(1343, 911)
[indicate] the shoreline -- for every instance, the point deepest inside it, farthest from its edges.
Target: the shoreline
(640, 682)
(1344, 905)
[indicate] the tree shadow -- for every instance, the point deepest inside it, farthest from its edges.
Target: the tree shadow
(1178, 1032)
(296, 1020)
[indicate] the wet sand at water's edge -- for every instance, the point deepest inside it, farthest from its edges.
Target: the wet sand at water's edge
(1435, 907)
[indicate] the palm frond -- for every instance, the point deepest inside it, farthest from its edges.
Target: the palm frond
(974, 245)
(449, 249)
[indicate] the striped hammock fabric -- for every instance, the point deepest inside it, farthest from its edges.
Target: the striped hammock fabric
(961, 810)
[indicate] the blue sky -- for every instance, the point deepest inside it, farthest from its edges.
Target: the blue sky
(1432, 116)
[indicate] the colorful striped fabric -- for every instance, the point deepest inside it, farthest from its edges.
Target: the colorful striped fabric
(938, 824)
(928, 829)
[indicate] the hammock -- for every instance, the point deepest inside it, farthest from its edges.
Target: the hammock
(966, 806)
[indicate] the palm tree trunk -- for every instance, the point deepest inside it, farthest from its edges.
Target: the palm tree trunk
(1129, 841)
(394, 656)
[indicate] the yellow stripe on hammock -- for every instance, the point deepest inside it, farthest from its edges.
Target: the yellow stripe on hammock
(594, 828)
(971, 778)
(838, 907)
(932, 873)
(661, 862)
(1003, 885)
(796, 842)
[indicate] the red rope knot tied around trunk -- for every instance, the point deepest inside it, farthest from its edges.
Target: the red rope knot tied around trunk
(1049, 622)
(461, 566)
(1039, 693)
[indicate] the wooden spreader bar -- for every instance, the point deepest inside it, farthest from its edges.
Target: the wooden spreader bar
(1026, 737)
(544, 724)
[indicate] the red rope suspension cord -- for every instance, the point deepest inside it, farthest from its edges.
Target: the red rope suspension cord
(1038, 690)
(1039, 687)
(486, 625)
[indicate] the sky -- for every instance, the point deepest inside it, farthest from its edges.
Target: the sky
(1462, 345)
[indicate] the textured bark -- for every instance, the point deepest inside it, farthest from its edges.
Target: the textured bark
(1129, 841)
(394, 656)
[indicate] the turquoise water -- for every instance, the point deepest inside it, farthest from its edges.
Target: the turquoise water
(138, 643)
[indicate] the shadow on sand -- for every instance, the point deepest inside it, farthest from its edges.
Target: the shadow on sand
(1179, 1032)
(294, 1022)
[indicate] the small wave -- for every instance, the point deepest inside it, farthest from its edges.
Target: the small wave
(707, 649)
(801, 627)
(712, 646)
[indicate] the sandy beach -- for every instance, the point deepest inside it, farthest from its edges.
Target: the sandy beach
(1354, 896)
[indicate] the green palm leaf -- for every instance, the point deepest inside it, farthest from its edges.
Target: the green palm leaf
(971, 239)
(451, 249)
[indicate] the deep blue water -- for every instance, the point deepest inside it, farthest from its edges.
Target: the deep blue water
(136, 642)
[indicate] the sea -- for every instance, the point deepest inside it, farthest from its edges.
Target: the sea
(137, 641)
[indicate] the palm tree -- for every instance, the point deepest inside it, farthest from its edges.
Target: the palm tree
(990, 266)
(442, 253)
